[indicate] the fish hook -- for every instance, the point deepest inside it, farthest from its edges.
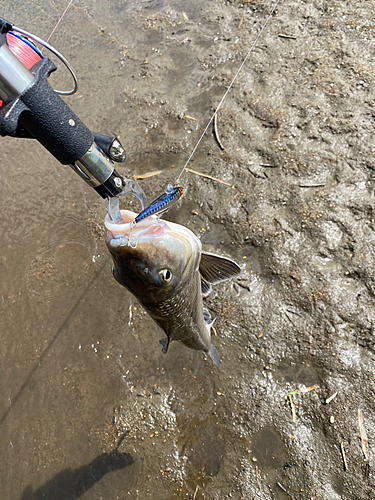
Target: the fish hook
(132, 225)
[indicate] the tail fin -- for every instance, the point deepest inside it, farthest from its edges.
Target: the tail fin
(214, 355)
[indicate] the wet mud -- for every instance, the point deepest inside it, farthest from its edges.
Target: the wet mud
(90, 406)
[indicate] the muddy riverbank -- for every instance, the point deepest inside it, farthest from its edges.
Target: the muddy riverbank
(91, 408)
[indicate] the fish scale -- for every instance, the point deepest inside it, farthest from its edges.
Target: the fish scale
(181, 317)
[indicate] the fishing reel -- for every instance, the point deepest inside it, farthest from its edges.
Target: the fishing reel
(31, 108)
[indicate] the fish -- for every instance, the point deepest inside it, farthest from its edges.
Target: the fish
(167, 271)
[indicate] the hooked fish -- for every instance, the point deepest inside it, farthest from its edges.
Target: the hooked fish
(165, 268)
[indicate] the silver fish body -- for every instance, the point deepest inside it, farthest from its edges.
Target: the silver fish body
(165, 269)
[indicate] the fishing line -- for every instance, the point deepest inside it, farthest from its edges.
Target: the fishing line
(228, 89)
(59, 21)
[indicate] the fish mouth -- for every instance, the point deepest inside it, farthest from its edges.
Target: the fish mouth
(118, 233)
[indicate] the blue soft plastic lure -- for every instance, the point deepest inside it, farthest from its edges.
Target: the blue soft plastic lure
(162, 203)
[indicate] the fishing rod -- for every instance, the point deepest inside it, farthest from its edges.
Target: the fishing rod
(31, 108)
(24, 112)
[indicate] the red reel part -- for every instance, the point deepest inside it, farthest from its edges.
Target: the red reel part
(23, 50)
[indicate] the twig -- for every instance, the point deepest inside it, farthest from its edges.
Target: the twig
(257, 477)
(344, 457)
(257, 176)
(287, 315)
(235, 196)
(207, 176)
(190, 117)
(281, 35)
(310, 388)
(292, 407)
(280, 486)
(362, 432)
(121, 440)
(311, 185)
(267, 166)
(216, 134)
(328, 400)
(147, 175)
(195, 492)
(293, 312)
(213, 329)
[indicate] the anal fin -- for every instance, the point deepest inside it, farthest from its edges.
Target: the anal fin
(206, 316)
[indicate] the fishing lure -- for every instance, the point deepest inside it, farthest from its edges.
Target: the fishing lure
(158, 206)
(162, 203)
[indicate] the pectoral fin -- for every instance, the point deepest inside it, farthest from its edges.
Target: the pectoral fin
(215, 268)
(205, 287)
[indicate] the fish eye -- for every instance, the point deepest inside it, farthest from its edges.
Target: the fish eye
(165, 275)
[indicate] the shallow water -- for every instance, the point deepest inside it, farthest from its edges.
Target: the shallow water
(90, 407)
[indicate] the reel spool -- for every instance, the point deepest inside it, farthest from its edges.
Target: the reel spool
(22, 45)
(23, 49)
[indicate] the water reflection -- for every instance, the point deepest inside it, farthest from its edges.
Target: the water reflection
(52, 341)
(71, 484)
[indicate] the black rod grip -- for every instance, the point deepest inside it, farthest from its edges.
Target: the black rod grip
(47, 118)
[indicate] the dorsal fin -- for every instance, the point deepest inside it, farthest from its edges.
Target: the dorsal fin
(215, 268)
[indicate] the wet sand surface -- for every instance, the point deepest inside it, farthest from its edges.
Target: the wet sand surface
(90, 406)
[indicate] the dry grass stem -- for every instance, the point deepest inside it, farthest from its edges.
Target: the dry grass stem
(207, 176)
(328, 400)
(216, 134)
(147, 175)
(293, 408)
(363, 434)
(344, 457)
(311, 185)
(311, 388)
(257, 477)
(195, 492)
(281, 486)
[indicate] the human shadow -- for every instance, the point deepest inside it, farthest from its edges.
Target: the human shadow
(71, 484)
